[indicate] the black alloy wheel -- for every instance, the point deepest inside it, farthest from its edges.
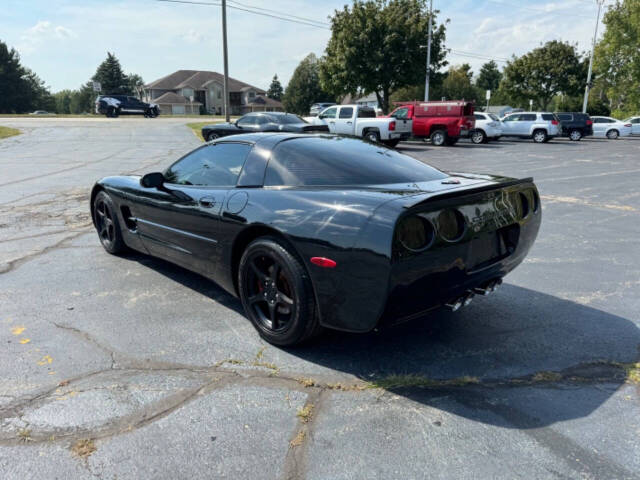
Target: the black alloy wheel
(212, 136)
(106, 224)
(276, 293)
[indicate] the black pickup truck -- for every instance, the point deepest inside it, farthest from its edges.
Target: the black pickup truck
(575, 125)
(114, 105)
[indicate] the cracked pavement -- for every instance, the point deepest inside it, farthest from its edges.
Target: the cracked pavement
(130, 367)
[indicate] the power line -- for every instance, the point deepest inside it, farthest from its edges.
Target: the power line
(279, 13)
(211, 4)
(477, 55)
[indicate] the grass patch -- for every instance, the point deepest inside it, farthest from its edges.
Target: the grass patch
(633, 372)
(6, 132)
(24, 435)
(83, 448)
(197, 126)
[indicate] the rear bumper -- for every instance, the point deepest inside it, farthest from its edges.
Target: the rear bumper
(399, 135)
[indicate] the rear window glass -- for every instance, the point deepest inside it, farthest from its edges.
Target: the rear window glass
(564, 116)
(494, 117)
(479, 117)
(366, 113)
(342, 161)
(548, 116)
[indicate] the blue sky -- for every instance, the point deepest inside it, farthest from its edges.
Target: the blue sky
(63, 41)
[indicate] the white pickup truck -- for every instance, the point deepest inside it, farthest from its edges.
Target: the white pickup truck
(361, 121)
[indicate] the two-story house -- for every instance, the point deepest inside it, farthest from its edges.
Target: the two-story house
(185, 91)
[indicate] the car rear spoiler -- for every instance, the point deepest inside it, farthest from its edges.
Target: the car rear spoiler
(461, 191)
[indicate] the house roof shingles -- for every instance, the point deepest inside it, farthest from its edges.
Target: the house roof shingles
(198, 79)
(174, 98)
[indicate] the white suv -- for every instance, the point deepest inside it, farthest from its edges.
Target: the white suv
(487, 128)
(540, 126)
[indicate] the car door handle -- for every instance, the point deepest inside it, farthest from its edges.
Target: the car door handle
(207, 202)
(349, 123)
(332, 122)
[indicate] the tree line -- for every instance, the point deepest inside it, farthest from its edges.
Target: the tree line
(377, 47)
(22, 91)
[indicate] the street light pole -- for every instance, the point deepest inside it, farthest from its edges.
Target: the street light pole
(226, 61)
(426, 82)
(593, 48)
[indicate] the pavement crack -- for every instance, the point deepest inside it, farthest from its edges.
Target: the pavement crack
(13, 264)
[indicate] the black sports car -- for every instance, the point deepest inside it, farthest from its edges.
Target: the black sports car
(262, 122)
(316, 231)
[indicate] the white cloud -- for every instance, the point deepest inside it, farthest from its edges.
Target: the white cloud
(43, 31)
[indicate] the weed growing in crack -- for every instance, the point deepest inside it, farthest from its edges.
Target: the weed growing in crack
(83, 448)
(298, 439)
(24, 435)
(305, 413)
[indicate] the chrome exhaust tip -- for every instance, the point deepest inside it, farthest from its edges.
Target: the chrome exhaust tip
(481, 291)
(468, 298)
(455, 305)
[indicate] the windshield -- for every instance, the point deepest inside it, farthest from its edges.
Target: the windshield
(494, 117)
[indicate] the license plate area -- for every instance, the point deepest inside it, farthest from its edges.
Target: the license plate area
(491, 247)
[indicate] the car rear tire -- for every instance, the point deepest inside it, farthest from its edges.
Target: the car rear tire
(478, 136)
(438, 138)
(276, 293)
(575, 135)
(107, 225)
(391, 143)
(372, 136)
(540, 136)
(613, 134)
(212, 136)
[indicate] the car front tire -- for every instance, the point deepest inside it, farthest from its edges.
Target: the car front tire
(276, 293)
(107, 225)
(212, 136)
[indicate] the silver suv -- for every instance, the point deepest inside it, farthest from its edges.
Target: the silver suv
(540, 126)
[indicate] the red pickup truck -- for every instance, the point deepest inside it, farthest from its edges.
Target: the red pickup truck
(442, 122)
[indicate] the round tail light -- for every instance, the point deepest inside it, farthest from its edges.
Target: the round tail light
(415, 233)
(451, 225)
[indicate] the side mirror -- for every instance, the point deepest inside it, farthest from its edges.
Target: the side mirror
(320, 116)
(152, 180)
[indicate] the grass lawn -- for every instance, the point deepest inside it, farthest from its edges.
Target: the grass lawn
(6, 132)
(197, 126)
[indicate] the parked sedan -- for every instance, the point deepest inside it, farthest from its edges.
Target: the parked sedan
(262, 122)
(635, 125)
(331, 231)
(316, 108)
(610, 128)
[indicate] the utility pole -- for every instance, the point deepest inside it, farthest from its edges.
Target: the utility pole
(426, 82)
(226, 61)
(593, 48)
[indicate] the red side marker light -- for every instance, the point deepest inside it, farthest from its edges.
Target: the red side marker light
(323, 262)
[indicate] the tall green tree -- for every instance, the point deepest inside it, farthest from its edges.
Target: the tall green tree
(21, 90)
(617, 57)
(111, 77)
(135, 83)
(304, 87)
(457, 84)
(555, 67)
(275, 89)
(376, 46)
(489, 77)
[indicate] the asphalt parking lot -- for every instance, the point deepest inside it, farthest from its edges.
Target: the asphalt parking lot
(129, 367)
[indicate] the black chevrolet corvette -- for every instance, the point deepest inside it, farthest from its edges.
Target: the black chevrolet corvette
(315, 231)
(262, 122)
